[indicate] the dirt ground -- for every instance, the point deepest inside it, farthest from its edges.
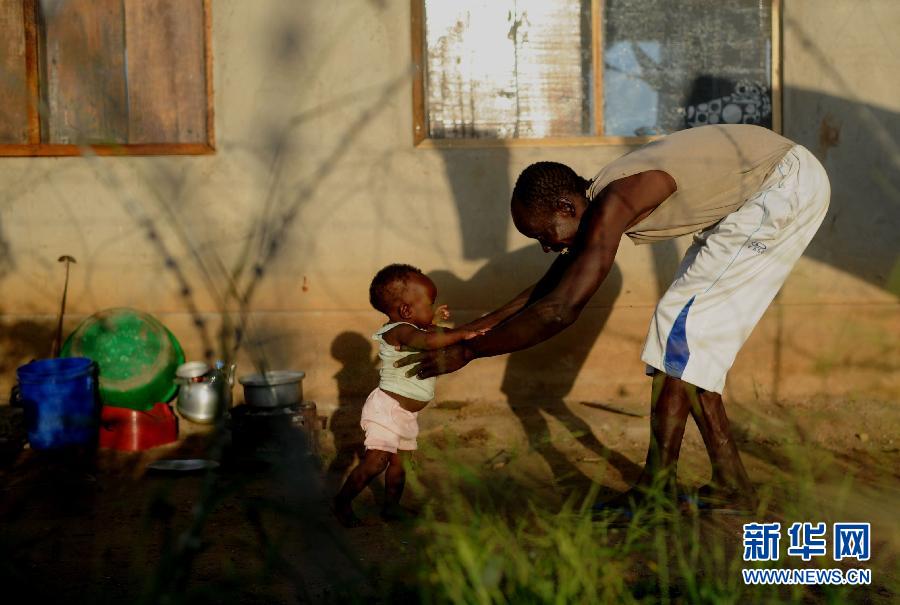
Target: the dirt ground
(99, 528)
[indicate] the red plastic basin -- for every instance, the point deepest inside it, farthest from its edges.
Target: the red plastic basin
(133, 430)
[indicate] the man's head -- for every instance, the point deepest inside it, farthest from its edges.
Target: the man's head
(547, 204)
(404, 293)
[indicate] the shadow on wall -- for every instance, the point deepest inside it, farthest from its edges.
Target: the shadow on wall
(22, 341)
(483, 212)
(859, 145)
(7, 263)
(532, 389)
(357, 378)
(175, 221)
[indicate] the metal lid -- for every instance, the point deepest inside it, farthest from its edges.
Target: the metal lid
(272, 378)
(192, 369)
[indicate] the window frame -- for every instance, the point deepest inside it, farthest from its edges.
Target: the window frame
(420, 123)
(39, 149)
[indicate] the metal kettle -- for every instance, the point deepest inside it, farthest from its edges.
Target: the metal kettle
(204, 394)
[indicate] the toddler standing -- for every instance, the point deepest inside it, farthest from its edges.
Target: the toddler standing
(406, 296)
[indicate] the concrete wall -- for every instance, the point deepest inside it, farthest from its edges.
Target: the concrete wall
(316, 181)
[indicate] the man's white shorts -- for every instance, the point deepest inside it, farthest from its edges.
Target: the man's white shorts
(732, 271)
(388, 427)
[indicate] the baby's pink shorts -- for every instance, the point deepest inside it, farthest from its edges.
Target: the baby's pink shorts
(388, 426)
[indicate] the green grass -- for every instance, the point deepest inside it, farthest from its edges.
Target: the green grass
(483, 541)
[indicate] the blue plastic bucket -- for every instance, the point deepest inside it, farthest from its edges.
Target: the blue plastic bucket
(59, 397)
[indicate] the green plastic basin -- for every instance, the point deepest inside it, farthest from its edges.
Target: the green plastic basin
(136, 356)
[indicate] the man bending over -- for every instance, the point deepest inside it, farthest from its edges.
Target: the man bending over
(752, 199)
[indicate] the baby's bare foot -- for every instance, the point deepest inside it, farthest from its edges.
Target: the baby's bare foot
(343, 512)
(395, 512)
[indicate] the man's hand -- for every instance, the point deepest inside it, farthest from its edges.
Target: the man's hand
(433, 363)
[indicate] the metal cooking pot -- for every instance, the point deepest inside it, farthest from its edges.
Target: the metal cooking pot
(277, 388)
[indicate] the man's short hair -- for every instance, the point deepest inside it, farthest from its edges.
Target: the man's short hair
(541, 184)
(388, 284)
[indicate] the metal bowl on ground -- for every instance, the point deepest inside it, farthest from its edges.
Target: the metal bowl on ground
(276, 388)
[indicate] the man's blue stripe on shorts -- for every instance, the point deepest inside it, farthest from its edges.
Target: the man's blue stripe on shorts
(677, 351)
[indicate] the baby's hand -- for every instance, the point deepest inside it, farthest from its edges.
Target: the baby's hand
(442, 313)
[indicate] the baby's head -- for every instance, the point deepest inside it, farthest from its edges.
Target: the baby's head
(404, 293)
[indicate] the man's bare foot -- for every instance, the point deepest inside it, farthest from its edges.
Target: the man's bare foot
(638, 497)
(343, 512)
(622, 505)
(714, 498)
(395, 512)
